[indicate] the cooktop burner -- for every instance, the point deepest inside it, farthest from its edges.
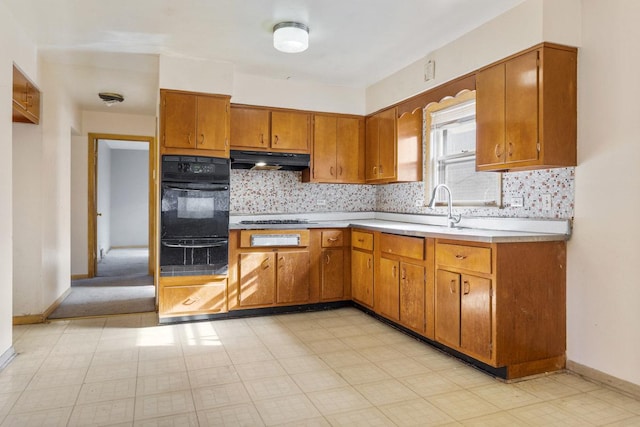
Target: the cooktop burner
(275, 221)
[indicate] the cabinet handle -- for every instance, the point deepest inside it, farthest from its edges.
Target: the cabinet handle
(328, 260)
(467, 287)
(361, 240)
(498, 153)
(340, 171)
(381, 172)
(452, 286)
(332, 239)
(461, 257)
(189, 138)
(226, 142)
(190, 301)
(510, 149)
(28, 99)
(261, 138)
(275, 139)
(369, 263)
(393, 271)
(404, 274)
(375, 170)
(265, 264)
(202, 135)
(331, 171)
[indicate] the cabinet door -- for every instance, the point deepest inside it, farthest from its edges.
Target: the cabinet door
(257, 278)
(324, 148)
(348, 150)
(387, 145)
(490, 117)
(447, 323)
(249, 128)
(189, 300)
(521, 114)
(388, 289)
(179, 120)
(290, 131)
(475, 316)
(213, 124)
(409, 146)
(412, 296)
(362, 277)
(332, 274)
(293, 277)
(372, 150)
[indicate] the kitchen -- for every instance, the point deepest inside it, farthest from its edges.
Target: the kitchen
(596, 322)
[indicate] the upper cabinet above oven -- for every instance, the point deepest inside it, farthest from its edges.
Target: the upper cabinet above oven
(194, 123)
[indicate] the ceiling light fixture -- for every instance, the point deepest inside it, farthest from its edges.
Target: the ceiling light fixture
(290, 37)
(111, 98)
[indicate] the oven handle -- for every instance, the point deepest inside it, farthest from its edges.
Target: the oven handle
(205, 188)
(183, 246)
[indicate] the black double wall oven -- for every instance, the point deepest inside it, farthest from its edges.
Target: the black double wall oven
(194, 219)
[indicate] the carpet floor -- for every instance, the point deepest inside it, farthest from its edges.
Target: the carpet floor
(122, 286)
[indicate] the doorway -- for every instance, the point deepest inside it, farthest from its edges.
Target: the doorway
(118, 217)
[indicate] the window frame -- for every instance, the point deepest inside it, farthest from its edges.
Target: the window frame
(431, 164)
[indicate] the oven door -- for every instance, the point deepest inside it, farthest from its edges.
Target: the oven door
(194, 210)
(194, 257)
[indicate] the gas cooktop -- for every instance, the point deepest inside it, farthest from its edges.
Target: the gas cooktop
(275, 221)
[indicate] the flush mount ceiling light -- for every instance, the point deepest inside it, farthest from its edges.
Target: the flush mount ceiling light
(111, 98)
(290, 37)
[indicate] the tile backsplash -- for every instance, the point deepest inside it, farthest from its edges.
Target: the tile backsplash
(263, 192)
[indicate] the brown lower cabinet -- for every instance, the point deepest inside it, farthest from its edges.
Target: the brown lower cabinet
(500, 304)
(192, 295)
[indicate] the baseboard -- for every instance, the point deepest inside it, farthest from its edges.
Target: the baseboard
(79, 276)
(7, 357)
(31, 319)
(605, 379)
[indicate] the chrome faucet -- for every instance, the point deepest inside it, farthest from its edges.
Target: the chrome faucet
(453, 219)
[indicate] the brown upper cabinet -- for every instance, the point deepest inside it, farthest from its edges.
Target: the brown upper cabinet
(338, 149)
(26, 99)
(262, 129)
(194, 121)
(393, 147)
(526, 110)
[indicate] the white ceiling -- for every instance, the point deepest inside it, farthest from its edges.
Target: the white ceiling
(114, 45)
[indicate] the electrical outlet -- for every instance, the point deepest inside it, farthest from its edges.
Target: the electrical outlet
(517, 202)
(321, 202)
(419, 203)
(546, 202)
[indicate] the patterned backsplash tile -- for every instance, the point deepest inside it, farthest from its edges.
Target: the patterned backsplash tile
(262, 192)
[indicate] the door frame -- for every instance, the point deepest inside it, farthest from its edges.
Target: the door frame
(92, 223)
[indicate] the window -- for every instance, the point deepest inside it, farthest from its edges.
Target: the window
(451, 148)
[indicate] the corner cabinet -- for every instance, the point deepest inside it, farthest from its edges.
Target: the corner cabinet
(393, 147)
(526, 110)
(338, 150)
(26, 99)
(194, 123)
(263, 129)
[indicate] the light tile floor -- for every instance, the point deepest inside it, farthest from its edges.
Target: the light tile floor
(338, 368)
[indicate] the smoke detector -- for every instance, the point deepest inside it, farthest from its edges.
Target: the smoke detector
(111, 98)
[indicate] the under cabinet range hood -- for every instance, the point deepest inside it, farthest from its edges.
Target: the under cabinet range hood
(262, 160)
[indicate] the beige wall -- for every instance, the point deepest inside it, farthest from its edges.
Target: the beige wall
(603, 304)
(515, 30)
(95, 122)
(14, 47)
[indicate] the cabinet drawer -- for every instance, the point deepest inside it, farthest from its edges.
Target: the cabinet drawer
(409, 247)
(274, 238)
(362, 240)
(194, 299)
(465, 257)
(332, 239)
